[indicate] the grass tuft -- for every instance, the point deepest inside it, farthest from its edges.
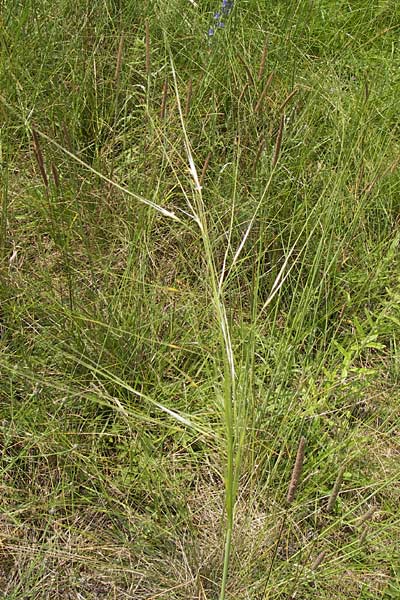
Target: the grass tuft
(198, 265)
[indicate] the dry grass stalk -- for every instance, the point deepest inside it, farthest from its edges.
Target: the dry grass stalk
(39, 157)
(359, 179)
(242, 93)
(363, 535)
(278, 142)
(335, 490)
(367, 516)
(298, 465)
(56, 177)
(394, 165)
(366, 90)
(148, 59)
(188, 97)
(259, 101)
(275, 550)
(204, 169)
(288, 99)
(119, 59)
(164, 99)
(249, 74)
(318, 561)
(67, 137)
(260, 148)
(263, 93)
(263, 61)
(390, 169)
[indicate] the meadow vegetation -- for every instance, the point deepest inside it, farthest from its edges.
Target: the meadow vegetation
(199, 281)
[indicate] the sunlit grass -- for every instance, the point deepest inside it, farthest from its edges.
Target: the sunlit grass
(199, 268)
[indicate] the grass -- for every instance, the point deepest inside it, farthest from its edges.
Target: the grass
(199, 268)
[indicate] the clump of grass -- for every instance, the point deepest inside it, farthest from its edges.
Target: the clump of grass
(200, 263)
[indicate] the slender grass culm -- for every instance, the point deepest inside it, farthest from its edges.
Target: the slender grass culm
(164, 99)
(147, 48)
(229, 384)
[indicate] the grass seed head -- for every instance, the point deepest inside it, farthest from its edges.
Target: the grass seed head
(296, 473)
(335, 490)
(39, 157)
